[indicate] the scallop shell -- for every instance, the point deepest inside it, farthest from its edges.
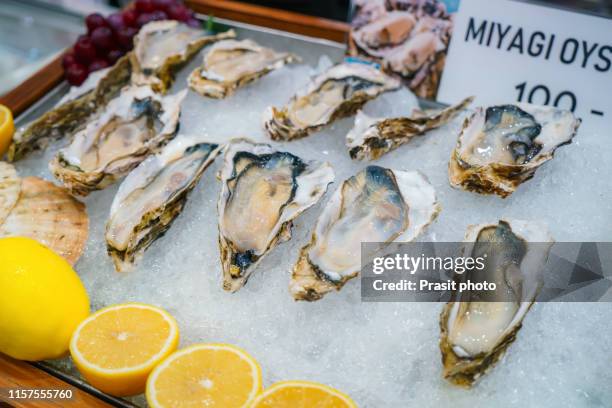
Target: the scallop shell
(50, 215)
(10, 185)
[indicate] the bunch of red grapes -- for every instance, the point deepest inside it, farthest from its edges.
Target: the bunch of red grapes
(108, 39)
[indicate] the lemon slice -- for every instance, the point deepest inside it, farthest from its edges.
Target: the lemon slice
(205, 375)
(302, 394)
(116, 348)
(7, 128)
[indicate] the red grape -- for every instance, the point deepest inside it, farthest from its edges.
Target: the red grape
(159, 15)
(125, 36)
(84, 50)
(94, 21)
(179, 12)
(194, 22)
(146, 18)
(114, 55)
(163, 5)
(76, 74)
(115, 21)
(129, 17)
(97, 64)
(68, 59)
(102, 38)
(144, 6)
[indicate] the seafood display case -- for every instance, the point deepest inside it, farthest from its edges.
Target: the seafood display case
(231, 177)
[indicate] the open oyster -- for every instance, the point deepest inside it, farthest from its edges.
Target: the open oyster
(230, 64)
(132, 126)
(73, 111)
(409, 38)
(152, 196)
(477, 327)
(502, 146)
(375, 205)
(161, 47)
(262, 192)
(338, 92)
(50, 215)
(371, 138)
(10, 187)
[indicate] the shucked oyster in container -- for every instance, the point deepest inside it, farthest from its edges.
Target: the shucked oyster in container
(478, 327)
(133, 126)
(263, 190)
(502, 146)
(336, 93)
(162, 47)
(375, 205)
(231, 64)
(152, 196)
(73, 111)
(372, 138)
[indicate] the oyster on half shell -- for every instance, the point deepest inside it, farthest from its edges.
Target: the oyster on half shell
(152, 196)
(162, 47)
(133, 125)
(372, 138)
(336, 93)
(477, 327)
(231, 64)
(263, 190)
(73, 111)
(500, 147)
(375, 205)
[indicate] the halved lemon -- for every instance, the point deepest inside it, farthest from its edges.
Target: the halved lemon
(302, 394)
(205, 375)
(117, 347)
(7, 128)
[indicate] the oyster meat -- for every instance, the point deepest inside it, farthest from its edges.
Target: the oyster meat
(371, 138)
(230, 64)
(409, 38)
(338, 92)
(502, 146)
(133, 125)
(263, 191)
(152, 196)
(478, 327)
(162, 47)
(51, 216)
(375, 205)
(73, 111)
(10, 187)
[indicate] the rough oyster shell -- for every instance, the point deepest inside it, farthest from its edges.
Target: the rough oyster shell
(152, 196)
(371, 138)
(476, 329)
(231, 64)
(72, 112)
(161, 47)
(133, 125)
(50, 215)
(10, 187)
(338, 92)
(263, 191)
(375, 205)
(500, 147)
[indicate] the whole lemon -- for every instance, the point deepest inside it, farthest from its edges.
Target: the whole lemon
(42, 300)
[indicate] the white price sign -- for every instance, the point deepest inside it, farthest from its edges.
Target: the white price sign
(504, 51)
